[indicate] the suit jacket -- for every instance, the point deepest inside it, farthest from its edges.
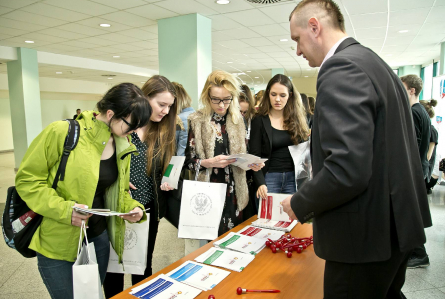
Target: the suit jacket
(367, 174)
(260, 144)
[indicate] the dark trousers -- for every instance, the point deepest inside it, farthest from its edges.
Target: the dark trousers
(114, 282)
(431, 183)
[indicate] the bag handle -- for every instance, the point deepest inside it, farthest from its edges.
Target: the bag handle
(79, 246)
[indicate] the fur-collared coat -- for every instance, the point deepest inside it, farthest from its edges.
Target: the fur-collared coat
(205, 138)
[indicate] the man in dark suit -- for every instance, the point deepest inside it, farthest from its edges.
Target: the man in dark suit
(77, 113)
(367, 190)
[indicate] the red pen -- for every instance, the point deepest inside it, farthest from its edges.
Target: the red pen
(240, 291)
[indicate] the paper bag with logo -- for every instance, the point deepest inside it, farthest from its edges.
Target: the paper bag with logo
(135, 250)
(201, 210)
(86, 280)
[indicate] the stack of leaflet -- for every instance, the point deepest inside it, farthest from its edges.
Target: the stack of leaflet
(272, 215)
(232, 260)
(163, 287)
(261, 233)
(197, 275)
(241, 243)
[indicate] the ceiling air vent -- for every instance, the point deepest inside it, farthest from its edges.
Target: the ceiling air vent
(264, 1)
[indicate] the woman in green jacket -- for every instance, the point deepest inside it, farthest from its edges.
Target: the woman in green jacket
(97, 176)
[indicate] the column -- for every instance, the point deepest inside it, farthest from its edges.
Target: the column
(24, 97)
(442, 59)
(185, 52)
(410, 70)
(277, 71)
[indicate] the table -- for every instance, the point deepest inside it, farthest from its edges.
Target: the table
(299, 277)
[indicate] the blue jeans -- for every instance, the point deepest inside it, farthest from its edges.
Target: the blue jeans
(58, 275)
(279, 182)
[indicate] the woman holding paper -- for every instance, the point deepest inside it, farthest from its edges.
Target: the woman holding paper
(216, 132)
(280, 122)
(148, 166)
(97, 176)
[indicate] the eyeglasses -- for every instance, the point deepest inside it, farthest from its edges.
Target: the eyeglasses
(217, 101)
(126, 122)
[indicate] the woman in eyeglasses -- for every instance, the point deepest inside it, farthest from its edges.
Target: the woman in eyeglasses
(215, 132)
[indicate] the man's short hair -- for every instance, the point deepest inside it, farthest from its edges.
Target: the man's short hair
(77, 109)
(413, 81)
(320, 9)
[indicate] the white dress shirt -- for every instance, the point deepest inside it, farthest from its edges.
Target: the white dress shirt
(332, 50)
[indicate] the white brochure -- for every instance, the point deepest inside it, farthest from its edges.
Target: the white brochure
(245, 159)
(173, 171)
(285, 226)
(241, 243)
(201, 210)
(164, 287)
(198, 275)
(261, 233)
(271, 207)
(232, 260)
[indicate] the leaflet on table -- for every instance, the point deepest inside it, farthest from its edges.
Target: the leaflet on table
(261, 233)
(271, 207)
(241, 243)
(173, 171)
(164, 287)
(245, 159)
(199, 276)
(101, 212)
(285, 226)
(202, 204)
(232, 260)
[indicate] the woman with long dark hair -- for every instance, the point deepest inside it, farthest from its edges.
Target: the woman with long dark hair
(279, 123)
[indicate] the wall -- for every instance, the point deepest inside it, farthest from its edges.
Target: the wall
(55, 106)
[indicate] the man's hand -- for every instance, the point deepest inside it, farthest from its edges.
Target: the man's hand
(287, 208)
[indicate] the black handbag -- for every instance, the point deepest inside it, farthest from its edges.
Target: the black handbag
(19, 222)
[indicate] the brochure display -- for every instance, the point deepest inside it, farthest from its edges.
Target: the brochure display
(271, 214)
(173, 171)
(164, 287)
(197, 275)
(232, 260)
(261, 233)
(241, 243)
(201, 210)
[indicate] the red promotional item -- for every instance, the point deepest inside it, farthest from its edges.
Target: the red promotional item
(288, 244)
(240, 291)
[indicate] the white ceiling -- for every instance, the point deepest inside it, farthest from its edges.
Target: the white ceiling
(246, 34)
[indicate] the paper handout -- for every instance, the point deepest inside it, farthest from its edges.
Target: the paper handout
(245, 159)
(285, 226)
(232, 260)
(261, 233)
(173, 171)
(241, 243)
(101, 212)
(201, 210)
(271, 214)
(164, 287)
(197, 275)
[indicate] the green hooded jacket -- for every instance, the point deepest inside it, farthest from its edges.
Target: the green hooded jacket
(56, 238)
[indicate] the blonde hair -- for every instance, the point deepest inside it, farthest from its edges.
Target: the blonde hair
(229, 82)
(182, 97)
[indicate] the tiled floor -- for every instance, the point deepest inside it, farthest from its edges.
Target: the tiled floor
(19, 277)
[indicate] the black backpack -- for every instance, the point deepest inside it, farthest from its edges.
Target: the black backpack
(19, 222)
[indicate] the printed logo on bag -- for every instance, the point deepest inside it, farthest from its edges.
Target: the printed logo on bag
(131, 238)
(201, 204)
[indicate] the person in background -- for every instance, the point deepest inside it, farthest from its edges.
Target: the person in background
(431, 181)
(312, 104)
(247, 109)
(217, 131)
(306, 105)
(279, 123)
(155, 143)
(184, 109)
(258, 99)
(97, 173)
(367, 187)
(78, 111)
(422, 125)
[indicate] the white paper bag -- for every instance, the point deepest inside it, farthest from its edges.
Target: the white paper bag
(135, 250)
(201, 210)
(86, 279)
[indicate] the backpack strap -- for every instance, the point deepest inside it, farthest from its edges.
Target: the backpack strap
(71, 141)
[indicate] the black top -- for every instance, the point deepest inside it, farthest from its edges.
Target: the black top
(108, 174)
(434, 138)
(422, 125)
(280, 158)
(365, 162)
